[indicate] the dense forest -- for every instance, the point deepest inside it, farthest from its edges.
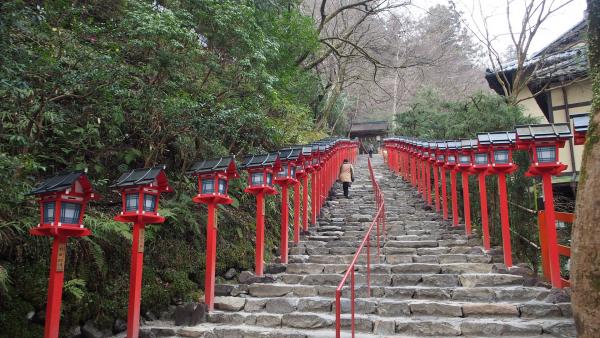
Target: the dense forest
(115, 85)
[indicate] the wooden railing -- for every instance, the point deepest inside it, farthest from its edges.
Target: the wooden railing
(562, 250)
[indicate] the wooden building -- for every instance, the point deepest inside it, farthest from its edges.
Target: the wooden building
(559, 78)
(372, 132)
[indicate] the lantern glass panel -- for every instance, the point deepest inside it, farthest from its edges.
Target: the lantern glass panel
(546, 154)
(69, 213)
(292, 171)
(131, 201)
(222, 186)
(451, 159)
(283, 172)
(257, 179)
(149, 202)
(49, 212)
(481, 158)
(464, 159)
(269, 178)
(501, 156)
(315, 161)
(440, 158)
(208, 186)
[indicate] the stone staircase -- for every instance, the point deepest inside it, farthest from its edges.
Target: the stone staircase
(430, 280)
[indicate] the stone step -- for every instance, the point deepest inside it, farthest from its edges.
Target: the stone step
(395, 308)
(417, 326)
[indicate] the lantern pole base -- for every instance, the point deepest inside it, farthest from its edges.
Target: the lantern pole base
(211, 257)
(55, 286)
(135, 280)
(260, 235)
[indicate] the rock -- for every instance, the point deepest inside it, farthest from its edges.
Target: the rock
(275, 268)
(499, 329)
(29, 316)
(224, 289)
(168, 314)
(486, 309)
(163, 332)
(194, 334)
(427, 328)
(149, 316)
(305, 321)
(268, 320)
(230, 274)
(566, 330)
(314, 305)
(190, 314)
(558, 296)
(229, 303)
(436, 309)
(89, 330)
(440, 280)
(282, 305)
(147, 333)
(255, 304)
(265, 290)
(392, 309)
(74, 332)
(539, 310)
(247, 277)
(474, 280)
(384, 327)
(119, 326)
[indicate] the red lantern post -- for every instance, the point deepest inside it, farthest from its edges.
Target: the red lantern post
(451, 153)
(286, 177)
(500, 146)
(261, 169)
(434, 168)
(464, 166)
(307, 171)
(427, 164)
(441, 162)
(481, 166)
(543, 142)
(213, 176)
(63, 200)
(316, 168)
(140, 193)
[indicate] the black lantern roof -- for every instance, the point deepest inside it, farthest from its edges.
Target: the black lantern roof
(468, 144)
(141, 176)
(306, 150)
(543, 131)
(222, 164)
(441, 145)
(432, 145)
(581, 122)
(497, 138)
(290, 154)
(453, 145)
(262, 160)
(61, 182)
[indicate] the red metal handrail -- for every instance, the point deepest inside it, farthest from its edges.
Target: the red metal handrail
(562, 250)
(378, 219)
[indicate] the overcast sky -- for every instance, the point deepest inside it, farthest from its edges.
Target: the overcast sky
(553, 27)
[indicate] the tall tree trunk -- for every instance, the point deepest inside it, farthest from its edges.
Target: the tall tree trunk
(585, 272)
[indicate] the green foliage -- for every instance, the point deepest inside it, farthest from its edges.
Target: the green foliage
(114, 85)
(431, 117)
